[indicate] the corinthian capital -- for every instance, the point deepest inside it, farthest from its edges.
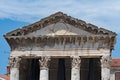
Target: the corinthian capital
(76, 62)
(106, 61)
(44, 62)
(14, 62)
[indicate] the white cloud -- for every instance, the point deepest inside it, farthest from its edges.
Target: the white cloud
(101, 13)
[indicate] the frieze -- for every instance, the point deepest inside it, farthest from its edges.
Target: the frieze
(104, 42)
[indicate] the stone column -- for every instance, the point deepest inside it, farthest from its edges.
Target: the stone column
(75, 72)
(14, 68)
(105, 67)
(44, 70)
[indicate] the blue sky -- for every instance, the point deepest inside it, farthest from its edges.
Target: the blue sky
(18, 13)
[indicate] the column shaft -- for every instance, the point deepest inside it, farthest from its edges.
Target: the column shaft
(75, 75)
(44, 70)
(44, 74)
(75, 71)
(105, 67)
(14, 72)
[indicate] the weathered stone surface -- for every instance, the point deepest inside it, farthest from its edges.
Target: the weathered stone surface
(14, 64)
(44, 68)
(44, 74)
(75, 71)
(14, 74)
(60, 36)
(106, 61)
(44, 62)
(105, 67)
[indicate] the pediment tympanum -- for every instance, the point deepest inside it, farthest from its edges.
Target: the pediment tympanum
(59, 28)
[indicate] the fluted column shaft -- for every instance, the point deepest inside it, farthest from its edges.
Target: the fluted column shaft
(44, 68)
(75, 71)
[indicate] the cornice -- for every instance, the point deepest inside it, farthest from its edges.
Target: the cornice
(57, 17)
(15, 42)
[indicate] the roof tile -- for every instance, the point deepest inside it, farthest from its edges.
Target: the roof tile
(5, 77)
(115, 62)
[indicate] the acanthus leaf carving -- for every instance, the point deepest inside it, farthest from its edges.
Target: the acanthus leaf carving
(76, 61)
(106, 61)
(44, 62)
(14, 62)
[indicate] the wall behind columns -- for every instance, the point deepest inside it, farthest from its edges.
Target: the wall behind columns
(25, 67)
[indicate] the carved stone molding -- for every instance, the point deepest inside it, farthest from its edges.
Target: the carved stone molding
(76, 61)
(14, 62)
(106, 61)
(44, 62)
(58, 17)
(21, 43)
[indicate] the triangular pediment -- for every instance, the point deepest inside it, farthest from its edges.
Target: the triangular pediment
(59, 28)
(60, 24)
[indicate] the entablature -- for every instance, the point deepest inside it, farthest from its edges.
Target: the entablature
(60, 53)
(61, 42)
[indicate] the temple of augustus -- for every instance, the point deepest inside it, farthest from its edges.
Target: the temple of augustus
(60, 47)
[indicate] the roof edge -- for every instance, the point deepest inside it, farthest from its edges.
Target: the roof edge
(53, 16)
